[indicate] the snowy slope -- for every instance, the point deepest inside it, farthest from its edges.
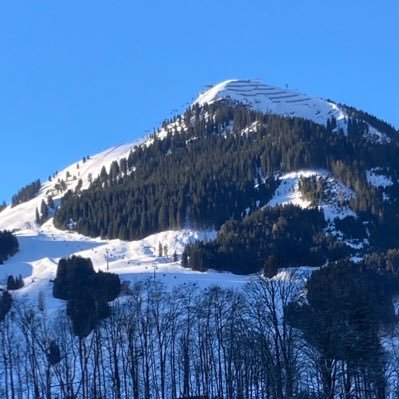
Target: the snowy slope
(334, 205)
(40, 251)
(266, 98)
(22, 217)
(288, 193)
(270, 99)
(42, 246)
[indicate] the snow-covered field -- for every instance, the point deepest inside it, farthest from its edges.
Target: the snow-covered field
(40, 250)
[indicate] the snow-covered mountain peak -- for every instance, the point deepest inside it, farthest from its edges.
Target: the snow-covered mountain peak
(266, 98)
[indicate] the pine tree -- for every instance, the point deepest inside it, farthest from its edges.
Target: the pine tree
(160, 248)
(44, 212)
(37, 216)
(184, 259)
(270, 269)
(50, 202)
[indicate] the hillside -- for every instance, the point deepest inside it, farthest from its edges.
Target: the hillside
(213, 230)
(244, 145)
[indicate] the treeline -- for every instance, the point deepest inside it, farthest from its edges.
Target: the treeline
(269, 238)
(211, 171)
(8, 245)
(26, 193)
(261, 342)
(356, 115)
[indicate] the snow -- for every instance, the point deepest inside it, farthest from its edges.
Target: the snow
(376, 178)
(375, 136)
(333, 207)
(288, 190)
(40, 251)
(42, 247)
(295, 274)
(22, 217)
(271, 99)
(333, 204)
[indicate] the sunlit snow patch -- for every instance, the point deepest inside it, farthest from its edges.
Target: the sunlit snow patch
(376, 178)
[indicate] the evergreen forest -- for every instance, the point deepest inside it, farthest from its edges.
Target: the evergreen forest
(216, 167)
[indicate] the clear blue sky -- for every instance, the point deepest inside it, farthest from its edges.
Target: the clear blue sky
(77, 77)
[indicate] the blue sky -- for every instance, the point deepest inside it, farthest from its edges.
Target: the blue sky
(77, 77)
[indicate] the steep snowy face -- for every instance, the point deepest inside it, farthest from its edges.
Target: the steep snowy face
(266, 98)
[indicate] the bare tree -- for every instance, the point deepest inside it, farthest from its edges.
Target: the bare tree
(275, 339)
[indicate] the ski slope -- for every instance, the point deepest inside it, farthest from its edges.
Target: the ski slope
(40, 251)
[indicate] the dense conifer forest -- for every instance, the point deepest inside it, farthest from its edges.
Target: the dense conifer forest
(26, 193)
(8, 245)
(283, 236)
(216, 164)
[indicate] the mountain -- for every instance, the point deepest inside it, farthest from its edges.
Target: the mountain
(271, 99)
(229, 209)
(242, 147)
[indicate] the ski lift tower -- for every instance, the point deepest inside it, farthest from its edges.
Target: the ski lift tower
(154, 265)
(106, 256)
